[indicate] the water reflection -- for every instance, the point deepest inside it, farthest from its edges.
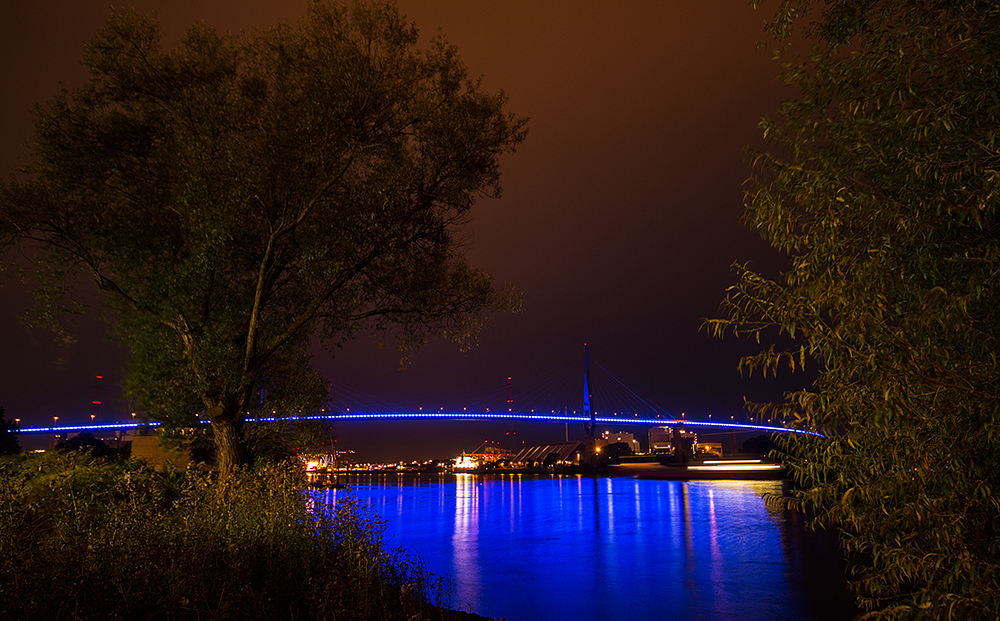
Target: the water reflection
(577, 548)
(465, 540)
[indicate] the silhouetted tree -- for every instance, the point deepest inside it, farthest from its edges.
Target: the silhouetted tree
(283, 439)
(8, 436)
(238, 195)
(85, 441)
(759, 445)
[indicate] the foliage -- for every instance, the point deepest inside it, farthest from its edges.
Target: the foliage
(883, 192)
(282, 439)
(759, 445)
(93, 539)
(85, 441)
(8, 436)
(238, 195)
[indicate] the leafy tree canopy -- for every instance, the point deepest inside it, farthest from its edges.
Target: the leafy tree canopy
(237, 195)
(883, 191)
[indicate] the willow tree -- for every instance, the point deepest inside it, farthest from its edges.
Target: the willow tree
(237, 195)
(883, 192)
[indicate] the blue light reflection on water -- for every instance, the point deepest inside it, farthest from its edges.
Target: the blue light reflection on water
(576, 548)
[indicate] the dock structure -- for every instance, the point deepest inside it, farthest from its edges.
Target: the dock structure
(543, 455)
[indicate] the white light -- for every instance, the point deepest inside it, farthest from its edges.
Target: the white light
(741, 467)
(465, 462)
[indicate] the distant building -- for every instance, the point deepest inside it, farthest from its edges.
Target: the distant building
(666, 439)
(466, 462)
(628, 439)
(709, 448)
(485, 454)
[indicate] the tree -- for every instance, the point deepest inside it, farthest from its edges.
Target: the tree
(883, 192)
(238, 195)
(759, 445)
(8, 436)
(85, 441)
(284, 439)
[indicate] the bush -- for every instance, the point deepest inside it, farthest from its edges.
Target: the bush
(83, 538)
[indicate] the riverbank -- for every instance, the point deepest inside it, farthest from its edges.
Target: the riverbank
(84, 538)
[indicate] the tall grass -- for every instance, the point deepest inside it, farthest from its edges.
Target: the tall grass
(91, 539)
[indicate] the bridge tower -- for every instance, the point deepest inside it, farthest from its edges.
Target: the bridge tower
(590, 429)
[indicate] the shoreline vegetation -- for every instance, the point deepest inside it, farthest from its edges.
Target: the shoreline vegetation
(90, 538)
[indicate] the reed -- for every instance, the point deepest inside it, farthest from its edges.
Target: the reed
(85, 538)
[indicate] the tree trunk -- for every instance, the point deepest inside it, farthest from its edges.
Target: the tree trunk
(229, 447)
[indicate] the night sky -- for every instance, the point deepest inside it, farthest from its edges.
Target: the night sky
(619, 221)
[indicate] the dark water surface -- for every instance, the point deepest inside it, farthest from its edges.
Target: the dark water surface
(537, 548)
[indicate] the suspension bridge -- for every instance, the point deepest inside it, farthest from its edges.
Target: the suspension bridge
(562, 395)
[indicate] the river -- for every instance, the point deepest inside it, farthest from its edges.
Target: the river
(548, 548)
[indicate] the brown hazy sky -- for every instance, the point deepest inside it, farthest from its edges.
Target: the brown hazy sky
(619, 221)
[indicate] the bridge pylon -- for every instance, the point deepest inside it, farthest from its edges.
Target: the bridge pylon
(590, 428)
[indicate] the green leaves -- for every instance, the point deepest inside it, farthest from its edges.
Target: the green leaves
(886, 203)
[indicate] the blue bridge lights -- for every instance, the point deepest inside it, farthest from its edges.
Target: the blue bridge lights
(635, 419)
(440, 414)
(533, 400)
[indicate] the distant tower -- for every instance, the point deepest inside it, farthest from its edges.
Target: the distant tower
(510, 395)
(590, 437)
(589, 428)
(97, 397)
